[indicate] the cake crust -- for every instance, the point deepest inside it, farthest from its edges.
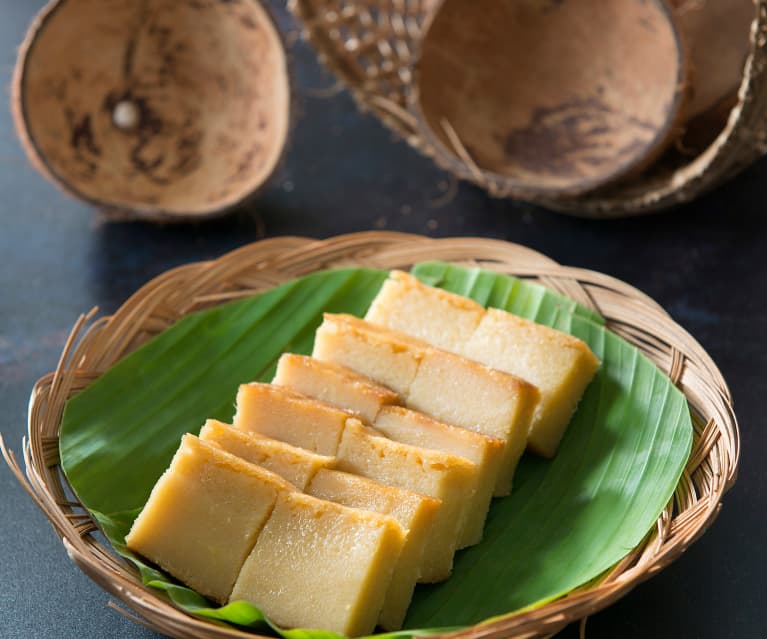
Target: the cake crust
(308, 543)
(335, 384)
(204, 515)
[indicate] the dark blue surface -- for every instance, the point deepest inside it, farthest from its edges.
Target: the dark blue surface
(705, 263)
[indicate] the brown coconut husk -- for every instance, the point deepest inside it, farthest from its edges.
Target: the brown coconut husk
(716, 36)
(545, 97)
(372, 47)
(199, 89)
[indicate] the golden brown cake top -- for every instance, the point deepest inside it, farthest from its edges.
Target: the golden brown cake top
(215, 430)
(342, 373)
(431, 424)
(192, 445)
(538, 331)
(421, 349)
(320, 507)
(328, 483)
(374, 333)
(426, 457)
(284, 393)
(459, 301)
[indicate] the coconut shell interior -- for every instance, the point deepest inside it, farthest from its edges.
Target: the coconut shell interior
(716, 36)
(206, 81)
(555, 96)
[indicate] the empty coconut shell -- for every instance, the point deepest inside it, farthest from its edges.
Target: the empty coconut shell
(716, 35)
(374, 57)
(548, 97)
(165, 108)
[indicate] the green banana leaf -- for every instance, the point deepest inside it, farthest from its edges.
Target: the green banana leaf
(567, 521)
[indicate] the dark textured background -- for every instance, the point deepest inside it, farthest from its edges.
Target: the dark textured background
(705, 263)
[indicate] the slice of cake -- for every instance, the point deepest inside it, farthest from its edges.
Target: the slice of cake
(310, 472)
(560, 365)
(296, 465)
(366, 452)
(333, 384)
(464, 393)
(319, 564)
(279, 413)
(431, 314)
(414, 428)
(415, 513)
(446, 386)
(204, 515)
(356, 344)
(342, 386)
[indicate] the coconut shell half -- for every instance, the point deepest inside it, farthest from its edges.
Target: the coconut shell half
(549, 97)
(168, 109)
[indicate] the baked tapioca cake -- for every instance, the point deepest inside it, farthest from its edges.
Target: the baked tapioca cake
(415, 513)
(431, 314)
(560, 365)
(444, 385)
(204, 515)
(296, 465)
(431, 472)
(446, 477)
(348, 341)
(333, 384)
(414, 428)
(342, 386)
(280, 413)
(310, 473)
(462, 392)
(321, 565)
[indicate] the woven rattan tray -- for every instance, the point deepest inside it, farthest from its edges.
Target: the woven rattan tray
(96, 344)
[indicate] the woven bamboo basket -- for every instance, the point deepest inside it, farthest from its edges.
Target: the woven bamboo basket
(373, 48)
(96, 344)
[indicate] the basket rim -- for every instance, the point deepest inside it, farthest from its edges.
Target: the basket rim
(710, 472)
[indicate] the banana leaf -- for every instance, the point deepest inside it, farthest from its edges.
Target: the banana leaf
(568, 520)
